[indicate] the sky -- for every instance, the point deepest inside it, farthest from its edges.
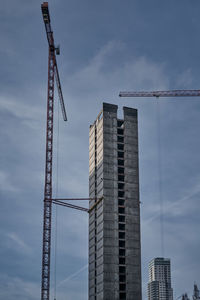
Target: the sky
(106, 47)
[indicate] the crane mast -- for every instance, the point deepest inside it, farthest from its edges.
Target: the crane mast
(172, 93)
(52, 73)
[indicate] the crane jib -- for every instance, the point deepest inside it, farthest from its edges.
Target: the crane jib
(172, 93)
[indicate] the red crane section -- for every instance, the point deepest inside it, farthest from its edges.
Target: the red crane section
(52, 72)
(49, 32)
(172, 93)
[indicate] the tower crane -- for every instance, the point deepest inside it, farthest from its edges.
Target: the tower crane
(52, 73)
(48, 200)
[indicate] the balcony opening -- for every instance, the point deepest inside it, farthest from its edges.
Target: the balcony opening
(120, 147)
(120, 186)
(121, 244)
(121, 210)
(121, 194)
(120, 131)
(120, 139)
(120, 170)
(121, 226)
(122, 270)
(120, 123)
(120, 154)
(121, 202)
(120, 162)
(122, 286)
(122, 278)
(122, 235)
(121, 218)
(122, 252)
(122, 260)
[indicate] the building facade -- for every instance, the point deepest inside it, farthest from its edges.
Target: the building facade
(196, 294)
(185, 297)
(159, 286)
(114, 220)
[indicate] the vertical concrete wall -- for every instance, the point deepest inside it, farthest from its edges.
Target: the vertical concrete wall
(104, 283)
(110, 209)
(132, 205)
(96, 215)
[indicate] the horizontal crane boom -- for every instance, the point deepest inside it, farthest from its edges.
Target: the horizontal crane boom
(172, 93)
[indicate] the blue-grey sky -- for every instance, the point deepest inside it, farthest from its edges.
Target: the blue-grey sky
(106, 46)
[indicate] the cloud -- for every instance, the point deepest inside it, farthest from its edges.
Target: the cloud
(18, 244)
(185, 80)
(73, 275)
(15, 287)
(20, 109)
(175, 208)
(102, 76)
(6, 184)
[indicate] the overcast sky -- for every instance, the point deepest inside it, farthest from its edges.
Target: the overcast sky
(106, 46)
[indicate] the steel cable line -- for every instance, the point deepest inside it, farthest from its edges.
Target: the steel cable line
(56, 196)
(160, 185)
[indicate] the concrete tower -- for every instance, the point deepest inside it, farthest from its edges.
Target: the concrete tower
(159, 286)
(114, 223)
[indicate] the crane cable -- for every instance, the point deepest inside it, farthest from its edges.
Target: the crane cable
(160, 185)
(56, 196)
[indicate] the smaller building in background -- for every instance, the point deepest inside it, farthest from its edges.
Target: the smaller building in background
(185, 297)
(159, 286)
(196, 294)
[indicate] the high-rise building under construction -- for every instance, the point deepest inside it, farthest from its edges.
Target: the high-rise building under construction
(114, 221)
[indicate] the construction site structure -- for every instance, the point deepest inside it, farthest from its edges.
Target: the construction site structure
(114, 223)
